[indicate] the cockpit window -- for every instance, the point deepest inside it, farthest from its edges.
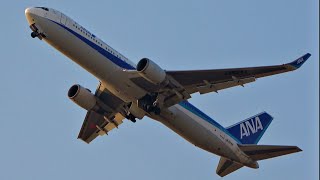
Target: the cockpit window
(44, 8)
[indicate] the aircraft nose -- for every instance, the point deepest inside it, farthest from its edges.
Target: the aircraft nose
(29, 12)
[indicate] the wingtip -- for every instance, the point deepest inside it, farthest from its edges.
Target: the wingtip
(308, 54)
(300, 61)
(298, 149)
(87, 142)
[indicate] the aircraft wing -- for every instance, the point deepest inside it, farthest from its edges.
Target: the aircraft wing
(97, 124)
(184, 83)
(205, 81)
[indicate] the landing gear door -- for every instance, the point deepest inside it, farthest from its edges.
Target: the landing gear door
(63, 19)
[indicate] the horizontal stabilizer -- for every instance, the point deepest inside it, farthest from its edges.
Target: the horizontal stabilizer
(227, 166)
(260, 152)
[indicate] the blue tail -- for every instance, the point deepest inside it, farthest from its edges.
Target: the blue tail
(251, 130)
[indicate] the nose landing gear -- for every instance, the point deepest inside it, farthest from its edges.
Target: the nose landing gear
(34, 34)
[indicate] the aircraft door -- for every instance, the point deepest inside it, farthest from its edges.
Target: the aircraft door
(63, 19)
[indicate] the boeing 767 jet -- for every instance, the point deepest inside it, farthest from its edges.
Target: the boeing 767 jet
(129, 91)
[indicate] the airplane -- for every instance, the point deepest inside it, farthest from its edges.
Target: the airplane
(129, 91)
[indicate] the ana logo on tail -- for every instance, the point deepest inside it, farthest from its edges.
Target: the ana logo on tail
(250, 131)
(250, 127)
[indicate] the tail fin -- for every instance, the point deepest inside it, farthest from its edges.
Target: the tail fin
(251, 130)
(260, 152)
(227, 166)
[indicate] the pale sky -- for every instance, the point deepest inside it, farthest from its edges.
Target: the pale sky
(40, 124)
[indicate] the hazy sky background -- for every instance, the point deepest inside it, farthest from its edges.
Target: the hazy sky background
(39, 124)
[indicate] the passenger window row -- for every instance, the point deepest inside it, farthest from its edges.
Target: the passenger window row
(91, 37)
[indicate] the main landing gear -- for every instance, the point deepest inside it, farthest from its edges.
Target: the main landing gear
(149, 104)
(132, 118)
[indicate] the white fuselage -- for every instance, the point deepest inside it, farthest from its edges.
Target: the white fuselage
(111, 67)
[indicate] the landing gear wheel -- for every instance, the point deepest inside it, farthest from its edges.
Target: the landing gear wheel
(131, 118)
(34, 34)
(157, 111)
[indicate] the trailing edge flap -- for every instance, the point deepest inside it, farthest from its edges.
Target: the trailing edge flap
(260, 152)
(96, 124)
(227, 166)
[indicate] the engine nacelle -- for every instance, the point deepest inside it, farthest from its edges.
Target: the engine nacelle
(151, 71)
(136, 111)
(82, 96)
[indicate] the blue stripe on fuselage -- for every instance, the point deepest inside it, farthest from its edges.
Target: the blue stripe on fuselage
(191, 108)
(101, 50)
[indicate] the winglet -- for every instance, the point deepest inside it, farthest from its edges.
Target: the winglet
(298, 63)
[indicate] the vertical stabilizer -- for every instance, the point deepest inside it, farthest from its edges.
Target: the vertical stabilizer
(251, 130)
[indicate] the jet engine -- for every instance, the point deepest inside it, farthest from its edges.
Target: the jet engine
(82, 97)
(151, 71)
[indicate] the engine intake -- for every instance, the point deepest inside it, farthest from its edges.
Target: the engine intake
(151, 71)
(82, 97)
